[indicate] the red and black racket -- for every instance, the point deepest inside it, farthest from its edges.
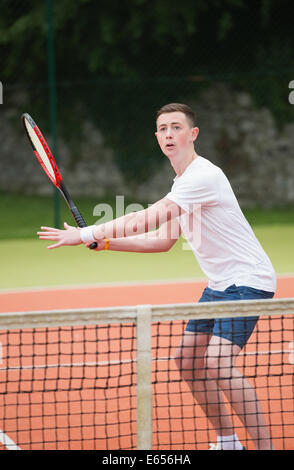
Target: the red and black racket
(45, 158)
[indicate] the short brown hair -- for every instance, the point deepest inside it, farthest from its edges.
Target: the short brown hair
(178, 107)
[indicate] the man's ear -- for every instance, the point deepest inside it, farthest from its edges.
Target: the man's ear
(195, 132)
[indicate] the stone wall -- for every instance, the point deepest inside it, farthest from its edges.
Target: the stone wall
(244, 141)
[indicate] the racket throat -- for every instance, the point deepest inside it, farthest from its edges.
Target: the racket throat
(75, 212)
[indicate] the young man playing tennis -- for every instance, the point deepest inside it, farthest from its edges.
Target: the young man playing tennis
(201, 201)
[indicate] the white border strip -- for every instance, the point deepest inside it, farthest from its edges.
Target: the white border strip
(162, 312)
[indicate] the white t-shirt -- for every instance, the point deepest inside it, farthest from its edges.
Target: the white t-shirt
(222, 240)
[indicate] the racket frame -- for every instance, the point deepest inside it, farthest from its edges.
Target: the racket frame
(58, 182)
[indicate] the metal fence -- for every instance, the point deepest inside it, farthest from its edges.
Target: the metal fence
(109, 114)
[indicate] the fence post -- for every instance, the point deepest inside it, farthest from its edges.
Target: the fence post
(52, 100)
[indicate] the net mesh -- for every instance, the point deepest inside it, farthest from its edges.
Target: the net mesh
(183, 392)
(69, 388)
(75, 386)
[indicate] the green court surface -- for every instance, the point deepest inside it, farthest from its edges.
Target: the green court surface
(28, 263)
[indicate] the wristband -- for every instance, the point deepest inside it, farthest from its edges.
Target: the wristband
(86, 234)
(106, 243)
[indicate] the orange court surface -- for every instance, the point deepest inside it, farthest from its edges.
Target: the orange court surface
(22, 300)
(175, 400)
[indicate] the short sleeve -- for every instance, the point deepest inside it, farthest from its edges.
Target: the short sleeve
(200, 191)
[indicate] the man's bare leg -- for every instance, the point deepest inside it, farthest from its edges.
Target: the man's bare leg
(220, 362)
(190, 360)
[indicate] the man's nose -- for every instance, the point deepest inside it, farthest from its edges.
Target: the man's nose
(168, 133)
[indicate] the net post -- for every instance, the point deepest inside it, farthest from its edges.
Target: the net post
(144, 378)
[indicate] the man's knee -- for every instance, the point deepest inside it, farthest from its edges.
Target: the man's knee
(189, 367)
(218, 368)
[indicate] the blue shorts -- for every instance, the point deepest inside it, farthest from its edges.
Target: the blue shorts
(238, 329)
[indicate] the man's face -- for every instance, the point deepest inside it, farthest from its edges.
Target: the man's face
(174, 133)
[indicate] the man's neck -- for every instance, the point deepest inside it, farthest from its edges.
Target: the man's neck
(180, 164)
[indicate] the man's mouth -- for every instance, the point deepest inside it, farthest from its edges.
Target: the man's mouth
(170, 145)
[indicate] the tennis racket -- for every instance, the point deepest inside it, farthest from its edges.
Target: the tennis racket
(47, 162)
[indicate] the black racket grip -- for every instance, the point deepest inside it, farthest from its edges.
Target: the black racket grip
(81, 223)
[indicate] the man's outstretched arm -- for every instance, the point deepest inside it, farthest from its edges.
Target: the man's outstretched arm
(132, 224)
(158, 241)
(139, 222)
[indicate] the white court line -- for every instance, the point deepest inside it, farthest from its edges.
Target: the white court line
(27, 290)
(69, 364)
(7, 442)
(123, 361)
(130, 283)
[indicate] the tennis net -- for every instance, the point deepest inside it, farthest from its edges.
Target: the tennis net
(108, 378)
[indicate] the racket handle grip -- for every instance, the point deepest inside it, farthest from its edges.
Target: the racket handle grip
(81, 223)
(78, 217)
